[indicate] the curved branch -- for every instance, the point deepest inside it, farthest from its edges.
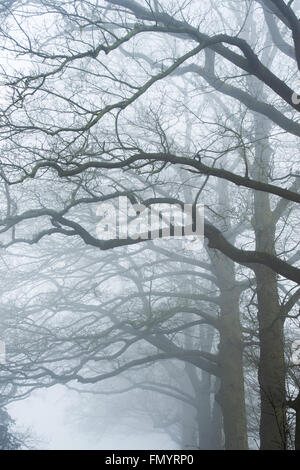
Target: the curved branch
(169, 158)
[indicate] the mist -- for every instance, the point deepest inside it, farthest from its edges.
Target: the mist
(149, 225)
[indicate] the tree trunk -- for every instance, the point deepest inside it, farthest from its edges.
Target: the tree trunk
(216, 431)
(271, 369)
(204, 413)
(189, 439)
(297, 431)
(295, 405)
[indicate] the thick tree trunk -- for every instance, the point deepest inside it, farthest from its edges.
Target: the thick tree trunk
(197, 422)
(297, 432)
(271, 369)
(231, 395)
(216, 431)
(189, 439)
(204, 413)
(295, 405)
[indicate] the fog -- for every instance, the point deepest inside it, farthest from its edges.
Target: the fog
(149, 225)
(46, 418)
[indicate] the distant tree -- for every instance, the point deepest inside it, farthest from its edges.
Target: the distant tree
(8, 440)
